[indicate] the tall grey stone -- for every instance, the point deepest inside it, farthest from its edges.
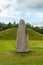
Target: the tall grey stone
(22, 38)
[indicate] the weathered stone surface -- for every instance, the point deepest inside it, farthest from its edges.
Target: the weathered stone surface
(22, 38)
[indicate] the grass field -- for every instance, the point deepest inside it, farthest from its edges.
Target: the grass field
(8, 56)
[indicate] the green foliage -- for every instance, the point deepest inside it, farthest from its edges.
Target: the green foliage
(38, 29)
(9, 25)
(14, 25)
(41, 31)
(12, 34)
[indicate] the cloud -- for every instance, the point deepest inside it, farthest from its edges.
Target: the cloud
(18, 9)
(8, 8)
(31, 3)
(7, 3)
(38, 23)
(0, 10)
(27, 14)
(39, 15)
(9, 0)
(12, 13)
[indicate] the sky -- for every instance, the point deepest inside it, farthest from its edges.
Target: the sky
(31, 11)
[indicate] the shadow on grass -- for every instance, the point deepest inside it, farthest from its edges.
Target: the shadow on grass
(23, 54)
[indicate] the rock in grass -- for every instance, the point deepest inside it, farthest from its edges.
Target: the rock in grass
(22, 38)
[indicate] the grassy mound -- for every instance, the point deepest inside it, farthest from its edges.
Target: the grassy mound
(33, 35)
(8, 34)
(11, 34)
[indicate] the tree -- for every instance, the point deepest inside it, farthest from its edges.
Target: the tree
(0, 25)
(14, 24)
(28, 25)
(41, 30)
(9, 25)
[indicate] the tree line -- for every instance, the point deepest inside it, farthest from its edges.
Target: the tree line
(36, 28)
(4, 26)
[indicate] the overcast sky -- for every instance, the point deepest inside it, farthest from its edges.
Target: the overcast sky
(29, 10)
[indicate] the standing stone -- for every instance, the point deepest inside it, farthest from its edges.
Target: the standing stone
(22, 38)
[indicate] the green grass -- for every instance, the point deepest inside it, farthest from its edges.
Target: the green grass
(11, 34)
(8, 34)
(8, 56)
(7, 45)
(33, 35)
